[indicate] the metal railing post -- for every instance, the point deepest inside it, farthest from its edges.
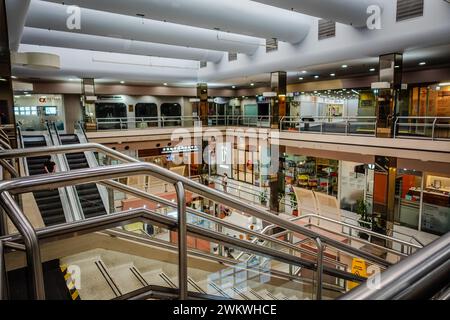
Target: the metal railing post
(290, 239)
(395, 127)
(433, 129)
(31, 243)
(319, 268)
(182, 241)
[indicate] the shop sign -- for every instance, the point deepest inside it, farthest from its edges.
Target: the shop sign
(178, 149)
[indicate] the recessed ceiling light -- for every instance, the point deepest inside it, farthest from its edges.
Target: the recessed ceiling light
(13, 77)
(165, 83)
(301, 78)
(234, 87)
(344, 66)
(396, 67)
(333, 74)
(252, 84)
(304, 72)
(422, 63)
(122, 82)
(316, 77)
(372, 69)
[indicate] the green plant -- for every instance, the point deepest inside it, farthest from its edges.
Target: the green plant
(293, 201)
(365, 219)
(263, 197)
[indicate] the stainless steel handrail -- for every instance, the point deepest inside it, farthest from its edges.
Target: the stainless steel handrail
(427, 122)
(105, 222)
(321, 120)
(400, 281)
(370, 232)
(35, 183)
(195, 187)
(163, 174)
(101, 173)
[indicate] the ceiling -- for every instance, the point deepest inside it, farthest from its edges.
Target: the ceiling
(153, 42)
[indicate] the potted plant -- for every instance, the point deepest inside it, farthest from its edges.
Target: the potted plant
(293, 203)
(365, 219)
(263, 198)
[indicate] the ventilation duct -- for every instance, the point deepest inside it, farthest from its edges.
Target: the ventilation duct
(237, 16)
(88, 42)
(45, 15)
(104, 65)
(351, 12)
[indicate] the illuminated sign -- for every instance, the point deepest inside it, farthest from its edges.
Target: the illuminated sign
(178, 149)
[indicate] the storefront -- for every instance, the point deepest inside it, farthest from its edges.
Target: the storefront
(317, 174)
(32, 111)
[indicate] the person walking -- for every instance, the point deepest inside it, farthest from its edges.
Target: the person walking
(225, 182)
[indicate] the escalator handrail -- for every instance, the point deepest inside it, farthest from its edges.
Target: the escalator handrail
(141, 194)
(42, 182)
(119, 219)
(134, 166)
(61, 179)
(94, 147)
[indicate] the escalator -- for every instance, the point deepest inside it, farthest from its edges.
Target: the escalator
(88, 194)
(48, 201)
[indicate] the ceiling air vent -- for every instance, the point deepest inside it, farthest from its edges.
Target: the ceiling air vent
(203, 64)
(407, 9)
(271, 44)
(327, 29)
(232, 56)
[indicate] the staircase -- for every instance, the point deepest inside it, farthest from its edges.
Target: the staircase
(88, 194)
(48, 201)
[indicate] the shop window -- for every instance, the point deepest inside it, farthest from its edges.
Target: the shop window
(171, 110)
(436, 204)
(110, 110)
(146, 110)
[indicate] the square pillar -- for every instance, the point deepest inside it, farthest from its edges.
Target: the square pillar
(278, 84)
(390, 81)
(202, 95)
